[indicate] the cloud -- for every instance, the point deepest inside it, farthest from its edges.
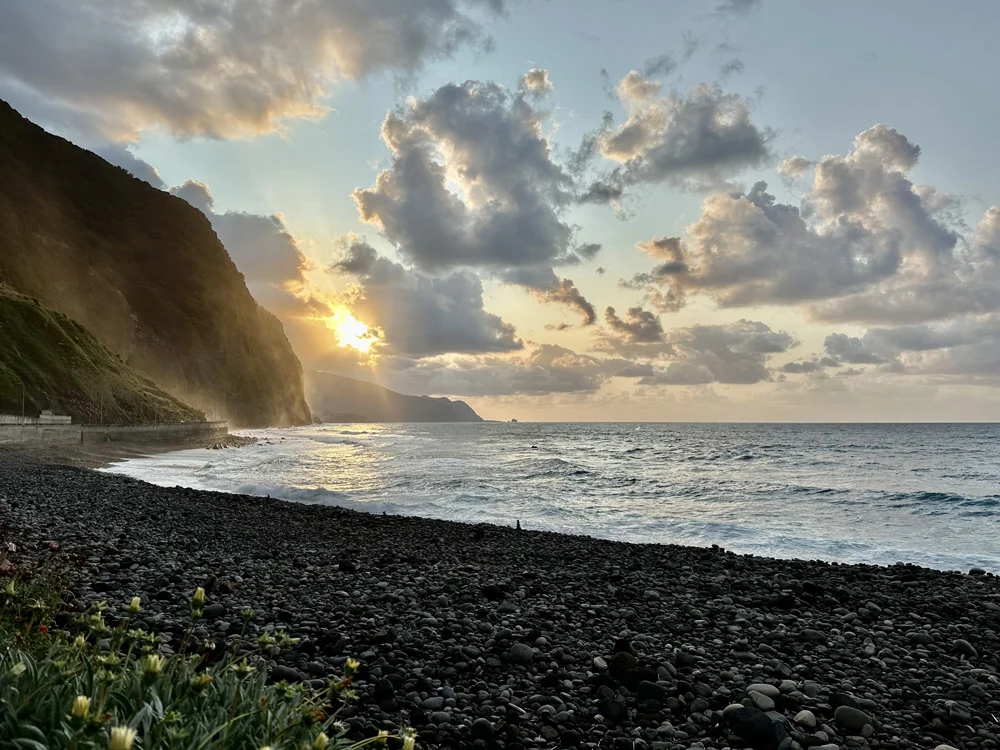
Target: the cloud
(639, 326)
(734, 353)
(637, 370)
(731, 68)
(122, 157)
(737, 7)
(113, 68)
(547, 369)
(535, 83)
(506, 216)
(420, 315)
(851, 350)
(262, 248)
(695, 140)
(866, 244)
(564, 292)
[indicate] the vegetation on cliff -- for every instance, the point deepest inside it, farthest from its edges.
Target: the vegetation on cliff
(145, 273)
(52, 362)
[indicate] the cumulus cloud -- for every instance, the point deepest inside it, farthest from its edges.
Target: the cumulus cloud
(694, 140)
(420, 315)
(735, 353)
(112, 68)
(506, 216)
(866, 244)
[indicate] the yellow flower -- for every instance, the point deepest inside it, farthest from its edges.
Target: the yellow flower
(352, 665)
(122, 738)
(198, 598)
(81, 707)
(135, 606)
(152, 665)
(320, 742)
(383, 737)
(409, 742)
(80, 642)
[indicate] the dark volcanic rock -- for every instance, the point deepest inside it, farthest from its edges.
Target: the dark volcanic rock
(657, 641)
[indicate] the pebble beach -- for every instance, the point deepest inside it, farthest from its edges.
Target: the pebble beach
(483, 636)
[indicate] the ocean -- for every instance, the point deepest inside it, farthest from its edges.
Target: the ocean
(873, 493)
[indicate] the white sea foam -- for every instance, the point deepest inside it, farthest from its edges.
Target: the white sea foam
(855, 493)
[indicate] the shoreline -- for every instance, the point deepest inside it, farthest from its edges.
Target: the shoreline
(552, 640)
(103, 455)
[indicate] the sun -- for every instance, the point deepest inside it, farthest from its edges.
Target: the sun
(350, 331)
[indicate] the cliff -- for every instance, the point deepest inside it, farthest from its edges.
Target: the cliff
(145, 273)
(335, 398)
(55, 363)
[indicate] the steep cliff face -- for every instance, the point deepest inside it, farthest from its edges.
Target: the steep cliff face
(145, 273)
(335, 398)
(48, 361)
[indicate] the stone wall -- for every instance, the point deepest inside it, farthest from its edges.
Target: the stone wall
(152, 433)
(112, 433)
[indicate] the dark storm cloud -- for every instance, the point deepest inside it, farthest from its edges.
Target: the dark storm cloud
(421, 315)
(112, 68)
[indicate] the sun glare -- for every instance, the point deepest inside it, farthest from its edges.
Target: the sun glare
(350, 331)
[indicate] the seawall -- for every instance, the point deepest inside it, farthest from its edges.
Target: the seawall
(50, 434)
(151, 433)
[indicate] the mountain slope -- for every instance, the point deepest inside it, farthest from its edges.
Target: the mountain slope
(56, 363)
(336, 398)
(145, 273)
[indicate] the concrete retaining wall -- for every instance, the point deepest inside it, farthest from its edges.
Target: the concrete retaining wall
(110, 433)
(151, 433)
(39, 433)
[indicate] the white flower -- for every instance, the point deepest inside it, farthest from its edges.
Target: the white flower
(152, 665)
(81, 707)
(122, 738)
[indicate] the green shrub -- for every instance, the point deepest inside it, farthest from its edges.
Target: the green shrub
(101, 686)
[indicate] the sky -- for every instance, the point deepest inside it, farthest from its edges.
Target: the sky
(635, 210)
